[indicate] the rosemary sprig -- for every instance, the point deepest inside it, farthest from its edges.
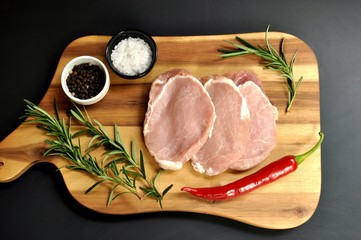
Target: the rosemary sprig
(117, 166)
(273, 60)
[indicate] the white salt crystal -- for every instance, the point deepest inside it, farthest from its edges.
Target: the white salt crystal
(131, 56)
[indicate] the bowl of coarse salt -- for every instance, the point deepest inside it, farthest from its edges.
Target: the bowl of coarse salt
(131, 54)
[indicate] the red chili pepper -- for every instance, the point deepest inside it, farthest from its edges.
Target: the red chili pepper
(265, 175)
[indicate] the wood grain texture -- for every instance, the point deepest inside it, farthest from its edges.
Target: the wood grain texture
(287, 203)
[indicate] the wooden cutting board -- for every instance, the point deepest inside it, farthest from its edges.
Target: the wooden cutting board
(287, 203)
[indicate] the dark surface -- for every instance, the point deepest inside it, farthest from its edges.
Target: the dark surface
(33, 36)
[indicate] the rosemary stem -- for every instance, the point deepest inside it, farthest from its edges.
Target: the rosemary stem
(122, 168)
(273, 60)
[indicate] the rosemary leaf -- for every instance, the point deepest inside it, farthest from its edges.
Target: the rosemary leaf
(245, 43)
(76, 115)
(165, 191)
(102, 128)
(132, 150)
(117, 135)
(110, 197)
(116, 196)
(94, 185)
(141, 161)
(127, 178)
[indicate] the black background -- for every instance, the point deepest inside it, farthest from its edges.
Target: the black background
(33, 36)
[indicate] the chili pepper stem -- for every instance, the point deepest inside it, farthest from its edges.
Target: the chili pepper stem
(302, 157)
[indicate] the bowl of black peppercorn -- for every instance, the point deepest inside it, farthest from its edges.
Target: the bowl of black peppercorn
(85, 80)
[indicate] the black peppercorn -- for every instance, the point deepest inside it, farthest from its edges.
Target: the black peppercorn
(85, 80)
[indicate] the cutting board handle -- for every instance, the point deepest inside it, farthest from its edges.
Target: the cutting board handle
(19, 151)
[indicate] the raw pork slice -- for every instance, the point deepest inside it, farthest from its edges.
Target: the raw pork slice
(241, 77)
(179, 118)
(230, 132)
(263, 117)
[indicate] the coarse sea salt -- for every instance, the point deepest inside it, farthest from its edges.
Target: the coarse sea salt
(131, 56)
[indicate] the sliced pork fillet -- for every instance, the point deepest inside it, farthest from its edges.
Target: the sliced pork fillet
(230, 132)
(179, 118)
(263, 117)
(242, 77)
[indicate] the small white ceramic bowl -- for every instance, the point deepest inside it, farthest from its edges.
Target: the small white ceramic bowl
(80, 60)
